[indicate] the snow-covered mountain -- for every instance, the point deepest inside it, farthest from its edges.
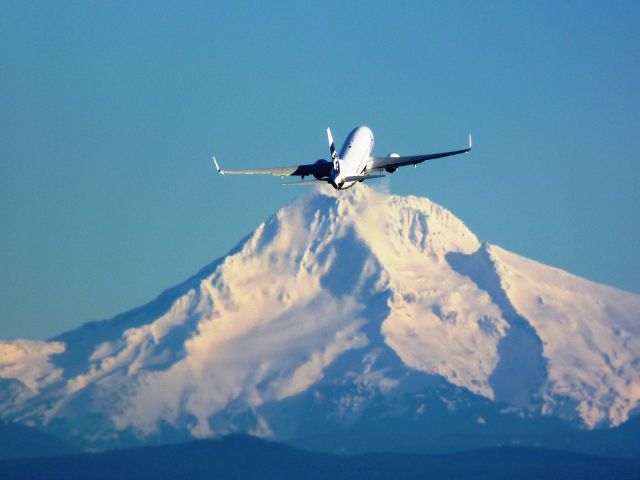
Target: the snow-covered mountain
(345, 312)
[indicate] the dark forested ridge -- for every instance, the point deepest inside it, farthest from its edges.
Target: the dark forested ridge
(20, 441)
(242, 457)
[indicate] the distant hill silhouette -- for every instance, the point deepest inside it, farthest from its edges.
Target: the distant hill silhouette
(20, 441)
(242, 457)
(403, 433)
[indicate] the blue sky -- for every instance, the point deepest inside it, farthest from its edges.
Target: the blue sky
(110, 112)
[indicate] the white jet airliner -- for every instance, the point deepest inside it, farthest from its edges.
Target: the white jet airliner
(353, 164)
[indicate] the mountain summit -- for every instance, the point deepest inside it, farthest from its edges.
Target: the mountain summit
(345, 311)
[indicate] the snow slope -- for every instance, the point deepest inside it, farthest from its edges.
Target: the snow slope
(356, 295)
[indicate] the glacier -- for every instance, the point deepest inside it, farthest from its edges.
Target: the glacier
(342, 309)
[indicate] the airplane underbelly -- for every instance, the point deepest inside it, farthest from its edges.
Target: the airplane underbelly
(346, 185)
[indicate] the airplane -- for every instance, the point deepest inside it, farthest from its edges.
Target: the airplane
(353, 164)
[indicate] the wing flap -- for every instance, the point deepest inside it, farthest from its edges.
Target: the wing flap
(275, 171)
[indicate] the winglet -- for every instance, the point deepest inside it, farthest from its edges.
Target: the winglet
(220, 171)
(470, 142)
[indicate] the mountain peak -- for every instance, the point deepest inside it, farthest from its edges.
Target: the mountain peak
(339, 301)
(400, 223)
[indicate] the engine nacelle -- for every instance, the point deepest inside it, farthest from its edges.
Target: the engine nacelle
(391, 169)
(321, 169)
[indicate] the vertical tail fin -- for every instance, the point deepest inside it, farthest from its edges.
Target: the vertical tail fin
(332, 149)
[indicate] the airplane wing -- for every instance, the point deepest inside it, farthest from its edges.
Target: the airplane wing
(320, 169)
(393, 162)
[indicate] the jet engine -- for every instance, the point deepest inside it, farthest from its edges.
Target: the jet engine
(322, 169)
(392, 169)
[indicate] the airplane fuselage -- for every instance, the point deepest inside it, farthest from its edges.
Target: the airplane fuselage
(353, 164)
(353, 157)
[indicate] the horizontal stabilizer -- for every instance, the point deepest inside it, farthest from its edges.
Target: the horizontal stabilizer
(359, 178)
(303, 183)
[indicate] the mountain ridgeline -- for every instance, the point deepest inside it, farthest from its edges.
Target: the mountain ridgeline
(349, 321)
